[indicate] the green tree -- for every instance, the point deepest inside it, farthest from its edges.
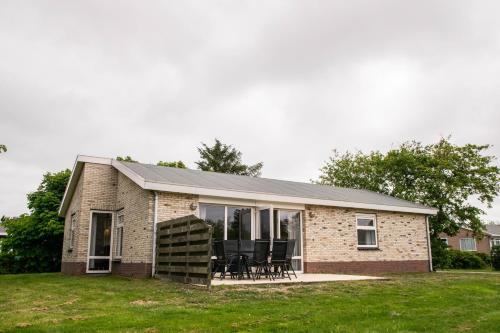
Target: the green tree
(226, 159)
(175, 164)
(125, 159)
(441, 175)
(3, 148)
(34, 242)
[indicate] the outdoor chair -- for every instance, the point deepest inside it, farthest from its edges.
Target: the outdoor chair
(289, 254)
(278, 258)
(261, 259)
(222, 260)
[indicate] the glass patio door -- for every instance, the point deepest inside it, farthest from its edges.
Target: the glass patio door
(288, 225)
(99, 255)
(264, 227)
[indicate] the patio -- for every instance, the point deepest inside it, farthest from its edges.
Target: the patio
(301, 278)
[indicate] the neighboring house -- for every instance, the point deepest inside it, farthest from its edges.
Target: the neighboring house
(464, 240)
(336, 230)
(2, 232)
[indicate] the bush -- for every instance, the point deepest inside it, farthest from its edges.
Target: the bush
(466, 260)
(440, 255)
(495, 257)
(485, 257)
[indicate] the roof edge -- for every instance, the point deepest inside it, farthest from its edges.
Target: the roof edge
(75, 175)
(163, 187)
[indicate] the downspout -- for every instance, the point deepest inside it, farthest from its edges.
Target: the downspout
(429, 243)
(155, 220)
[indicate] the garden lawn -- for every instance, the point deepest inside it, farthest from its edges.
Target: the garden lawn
(444, 302)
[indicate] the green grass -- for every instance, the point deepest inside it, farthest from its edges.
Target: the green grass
(443, 302)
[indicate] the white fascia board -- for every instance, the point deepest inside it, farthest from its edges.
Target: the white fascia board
(273, 197)
(75, 175)
(129, 173)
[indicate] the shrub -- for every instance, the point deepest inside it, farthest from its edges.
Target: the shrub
(440, 255)
(466, 260)
(485, 257)
(495, 257)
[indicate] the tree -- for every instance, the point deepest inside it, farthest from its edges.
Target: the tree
(3, 148)
(34, 242)
(440, 175)
(175, 164)
(226, 159)
(126, 159)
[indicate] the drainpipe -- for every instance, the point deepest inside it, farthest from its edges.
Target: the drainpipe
(429, 243)
(155, 220)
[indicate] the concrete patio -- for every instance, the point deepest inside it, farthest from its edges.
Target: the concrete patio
(301, 278)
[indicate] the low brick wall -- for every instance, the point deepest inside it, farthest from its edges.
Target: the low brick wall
(367, 267)
(138, 270)
(73, 268)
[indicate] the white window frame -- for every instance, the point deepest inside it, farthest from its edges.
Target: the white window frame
(495, 242)
(72, 228)
(373, 228)
(467, 250)
(110, 243)
(444, 240)
(118, 240)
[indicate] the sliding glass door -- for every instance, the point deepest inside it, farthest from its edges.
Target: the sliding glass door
(233, 222)
(99, 254)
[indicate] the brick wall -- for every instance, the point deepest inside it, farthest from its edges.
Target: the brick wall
(173, 205)
(482, 245)
(136, 205)
(330, 241)
(96, 190)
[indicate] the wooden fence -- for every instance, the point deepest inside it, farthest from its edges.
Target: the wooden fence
(184, 250)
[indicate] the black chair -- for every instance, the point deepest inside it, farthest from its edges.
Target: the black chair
(261, 259)
(231, 251)
(289, 254)
(222, 260)
(278, 257)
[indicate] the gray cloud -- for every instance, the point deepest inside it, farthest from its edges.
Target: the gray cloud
(284, 81)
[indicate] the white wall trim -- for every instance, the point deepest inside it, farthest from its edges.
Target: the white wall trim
(279, 198)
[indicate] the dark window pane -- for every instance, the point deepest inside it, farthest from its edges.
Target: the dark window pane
(366, 237)
(235, 216)
(214, 215)
(290, 228)
(265, 230)
(100, 237)
(365, 222)
(98, 264)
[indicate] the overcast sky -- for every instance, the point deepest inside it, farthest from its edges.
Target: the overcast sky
(283, 81)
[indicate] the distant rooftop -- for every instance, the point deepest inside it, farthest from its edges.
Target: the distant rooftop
(493, 229)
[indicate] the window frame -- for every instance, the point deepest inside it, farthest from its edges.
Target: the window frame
(110, 257)
(372, 217)
(118, 242)
(445, 240)
(72, 228)
(466, 250)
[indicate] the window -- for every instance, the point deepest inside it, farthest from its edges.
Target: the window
(366, 226)
(72, 228)
(444, 240)
(215, 216)
(467, 244)
(118, 241)
(495, 242)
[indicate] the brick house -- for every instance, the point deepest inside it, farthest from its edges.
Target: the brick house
(465, 240)
(111, 209)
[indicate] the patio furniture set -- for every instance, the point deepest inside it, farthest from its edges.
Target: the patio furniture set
(253, 258)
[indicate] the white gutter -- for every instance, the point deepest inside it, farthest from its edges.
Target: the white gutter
(155, 220)
(429, 243)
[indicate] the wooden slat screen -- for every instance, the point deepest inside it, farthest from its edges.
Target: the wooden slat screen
(184, 250)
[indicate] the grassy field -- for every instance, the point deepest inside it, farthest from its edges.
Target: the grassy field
(439, 302)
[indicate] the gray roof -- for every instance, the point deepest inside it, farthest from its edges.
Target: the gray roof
(493, 229)
(221, 181)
